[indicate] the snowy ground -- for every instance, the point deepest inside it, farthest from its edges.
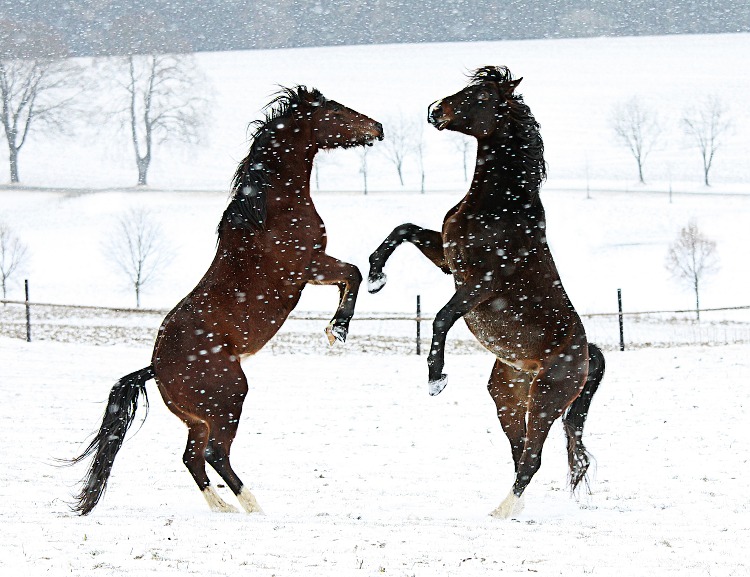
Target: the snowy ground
(360, 472)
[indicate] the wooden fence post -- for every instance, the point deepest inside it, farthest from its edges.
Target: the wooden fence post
(419, 325)
(28, 311)
(619, 316)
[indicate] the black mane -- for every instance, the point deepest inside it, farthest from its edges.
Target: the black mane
(526, 136)
(247, 208)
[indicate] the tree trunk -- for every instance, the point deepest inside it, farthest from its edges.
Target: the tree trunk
(13, 159)
(142, 171)
(697, 300)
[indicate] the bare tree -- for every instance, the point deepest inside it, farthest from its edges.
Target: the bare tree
(138, 249)
(463, 144)
(39, 88)
(158, 99)
(12, 255)
(401, 143)
(707, 124)
(637, 127)
(692, 257)
(362, 151)
(419, 147)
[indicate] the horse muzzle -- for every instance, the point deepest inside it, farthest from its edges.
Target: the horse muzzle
(436, 115)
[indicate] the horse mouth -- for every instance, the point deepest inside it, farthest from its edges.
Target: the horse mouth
(372, 138)
(440, 123)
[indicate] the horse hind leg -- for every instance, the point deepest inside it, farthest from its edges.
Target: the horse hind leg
(574, 419)
(195, 461)
(217, 455)
(550, 393)
(509, 389)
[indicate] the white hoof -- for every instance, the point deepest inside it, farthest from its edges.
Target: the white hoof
(512, 505)
(375, 283)
(248, 502)
(435, 387)
(216, 503)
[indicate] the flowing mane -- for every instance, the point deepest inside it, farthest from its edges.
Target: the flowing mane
(526, 135)
(251, 180)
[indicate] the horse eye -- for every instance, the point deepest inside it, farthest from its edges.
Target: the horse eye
(483, 95)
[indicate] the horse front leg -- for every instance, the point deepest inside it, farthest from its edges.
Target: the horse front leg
(429, 242)
(326, 270)
(463, 301)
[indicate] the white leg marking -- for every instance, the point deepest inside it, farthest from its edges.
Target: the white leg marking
(248, 502)
(435, 387)
(216, 503)
(512, 505)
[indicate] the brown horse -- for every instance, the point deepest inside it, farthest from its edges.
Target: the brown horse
(508, 289)
(271, 244)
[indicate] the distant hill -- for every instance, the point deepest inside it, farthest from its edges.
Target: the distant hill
(103, 27)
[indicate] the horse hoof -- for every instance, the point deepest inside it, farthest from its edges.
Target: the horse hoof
(435, 387)
(511, 505)
(248, 502)
(336, 333)
(375, 282)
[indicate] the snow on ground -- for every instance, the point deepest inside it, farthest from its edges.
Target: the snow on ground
(360, 472)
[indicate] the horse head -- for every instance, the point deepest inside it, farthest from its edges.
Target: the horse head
(333, 124)
(479, 109)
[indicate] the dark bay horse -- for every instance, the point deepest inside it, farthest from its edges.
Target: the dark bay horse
(508, 289)
(271, 244)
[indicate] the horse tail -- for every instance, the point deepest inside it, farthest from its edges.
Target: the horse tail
(118, 417)
(575, 418)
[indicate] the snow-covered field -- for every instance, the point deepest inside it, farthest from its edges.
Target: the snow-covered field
(358, 470)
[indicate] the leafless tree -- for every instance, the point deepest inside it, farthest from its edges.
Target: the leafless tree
(637, 127)
(362, 151)
(692, 257)
(400, 143)
(419, 147)
(158, 98)
(12, 255)
(464, 145)
(40, 89)
(707, 124)
(138, 249)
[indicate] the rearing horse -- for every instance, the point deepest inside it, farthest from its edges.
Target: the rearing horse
(271, 244)
(508, 289)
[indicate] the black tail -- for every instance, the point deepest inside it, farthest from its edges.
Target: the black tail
(575, 417)
(118, 416)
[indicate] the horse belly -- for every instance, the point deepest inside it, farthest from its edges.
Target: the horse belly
(507, 337)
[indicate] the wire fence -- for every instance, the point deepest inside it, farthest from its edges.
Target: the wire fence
(404, 333)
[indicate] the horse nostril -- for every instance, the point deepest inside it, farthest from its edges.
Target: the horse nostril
(379, 128)
(434, 111)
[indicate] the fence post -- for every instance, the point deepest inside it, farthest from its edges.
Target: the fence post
(28, 311)
(419, 325)
(619, 316)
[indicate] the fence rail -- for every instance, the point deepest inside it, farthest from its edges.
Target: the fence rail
(373, 332)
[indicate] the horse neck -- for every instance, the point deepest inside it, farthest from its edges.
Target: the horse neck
(503, 179)
(288, 160)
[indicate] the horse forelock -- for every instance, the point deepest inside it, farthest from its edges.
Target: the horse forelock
(499, 74)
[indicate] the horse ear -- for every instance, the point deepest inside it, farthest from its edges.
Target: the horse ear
(510, 86)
